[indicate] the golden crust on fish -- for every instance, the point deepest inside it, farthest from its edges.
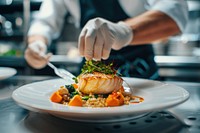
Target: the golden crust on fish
(99, 83)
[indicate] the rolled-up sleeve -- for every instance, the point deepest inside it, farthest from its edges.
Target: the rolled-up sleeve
(49, 20)
(176, 9)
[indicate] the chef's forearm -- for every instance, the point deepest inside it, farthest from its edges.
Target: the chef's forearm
(152, 26)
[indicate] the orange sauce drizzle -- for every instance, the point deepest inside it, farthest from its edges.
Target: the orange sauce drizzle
(136, 99)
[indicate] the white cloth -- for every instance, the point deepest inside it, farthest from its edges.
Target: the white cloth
(50, 20)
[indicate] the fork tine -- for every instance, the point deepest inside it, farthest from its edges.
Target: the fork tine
(61, 72)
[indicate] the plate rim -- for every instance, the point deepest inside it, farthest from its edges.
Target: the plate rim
(14, 71)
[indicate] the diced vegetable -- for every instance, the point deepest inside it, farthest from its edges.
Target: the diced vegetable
(70, 88)
(75, 86)
(96, 95)
(120, 97)
(105, 95)
(115, 99)
(63, 91)
(76, 101)
(56, 97)
(72, 94)
(66, 98)
(85, 98)
(111, 101)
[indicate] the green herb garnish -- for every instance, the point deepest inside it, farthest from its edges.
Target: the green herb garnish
(75, 79)
(75, 93)
(96, 96)
(85, 97)
(98, 66)
(70, 88)
(105, 95)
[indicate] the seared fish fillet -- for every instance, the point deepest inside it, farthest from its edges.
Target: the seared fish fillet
(99, 83)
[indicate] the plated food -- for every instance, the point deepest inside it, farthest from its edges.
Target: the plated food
(99, 85)
(157, 96)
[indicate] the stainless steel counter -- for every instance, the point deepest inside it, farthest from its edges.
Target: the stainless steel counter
(14, 119)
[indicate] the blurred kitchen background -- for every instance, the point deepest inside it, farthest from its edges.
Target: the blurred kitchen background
(178, 57)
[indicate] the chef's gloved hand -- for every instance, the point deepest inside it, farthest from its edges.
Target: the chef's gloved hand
(36, 56)
(99, 36)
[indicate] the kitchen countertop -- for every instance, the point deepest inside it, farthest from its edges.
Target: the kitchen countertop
(14, 119)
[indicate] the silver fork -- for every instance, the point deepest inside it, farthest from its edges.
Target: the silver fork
(62, 72)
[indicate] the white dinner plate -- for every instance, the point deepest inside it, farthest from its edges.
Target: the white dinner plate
(6, 72)
(157, 96)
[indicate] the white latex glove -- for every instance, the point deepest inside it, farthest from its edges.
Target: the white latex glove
(99, 36)
(36, 56)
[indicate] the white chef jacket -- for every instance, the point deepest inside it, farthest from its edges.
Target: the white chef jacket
(50, 19)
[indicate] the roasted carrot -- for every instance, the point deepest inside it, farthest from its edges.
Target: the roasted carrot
(115, 99)
(76, 101)
(75, 86)
(56, 97)
(120, 97)
(112, 101)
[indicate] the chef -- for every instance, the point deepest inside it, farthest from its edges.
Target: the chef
(118, 31)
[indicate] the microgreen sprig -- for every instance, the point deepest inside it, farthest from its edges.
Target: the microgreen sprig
(98, 66)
